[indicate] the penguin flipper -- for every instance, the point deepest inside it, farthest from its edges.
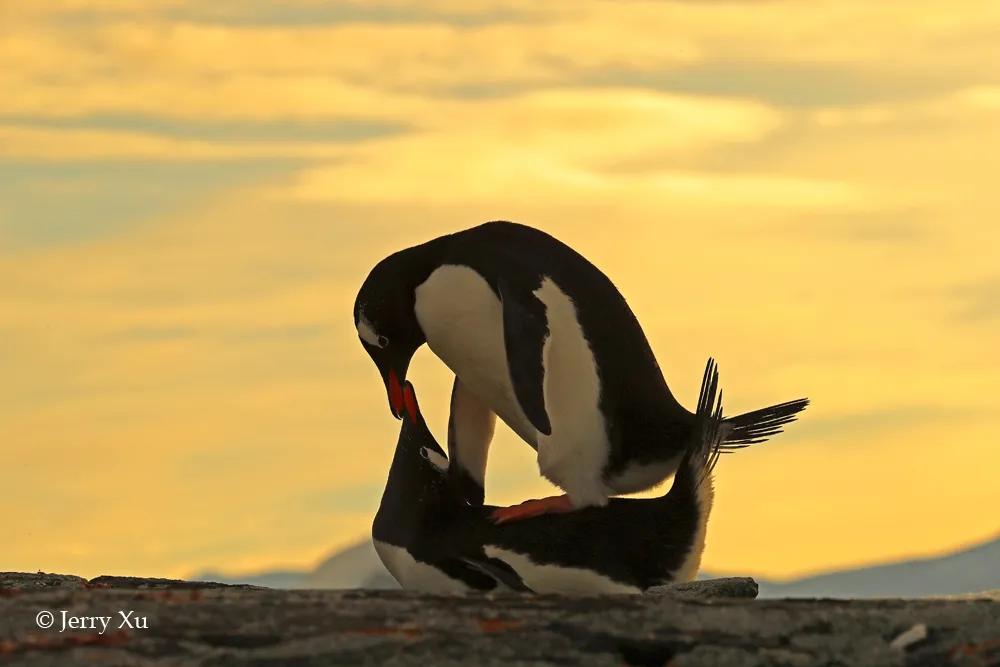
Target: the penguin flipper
(500, 571)
(525, 331)
(462, 570)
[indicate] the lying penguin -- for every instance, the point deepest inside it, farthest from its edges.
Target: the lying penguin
(431, 540)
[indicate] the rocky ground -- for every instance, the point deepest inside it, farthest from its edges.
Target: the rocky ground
(705, 623)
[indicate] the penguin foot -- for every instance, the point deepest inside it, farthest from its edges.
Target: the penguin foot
(533, 508)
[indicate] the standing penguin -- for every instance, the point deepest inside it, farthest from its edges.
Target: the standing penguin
(540, 337)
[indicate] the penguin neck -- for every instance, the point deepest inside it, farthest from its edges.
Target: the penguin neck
(414, 492)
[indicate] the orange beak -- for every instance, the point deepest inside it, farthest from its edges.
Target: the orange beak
(395, 389)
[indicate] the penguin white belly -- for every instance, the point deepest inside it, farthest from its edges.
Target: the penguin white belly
(575, 454)
(462, 319)
(413, 575)
(638, 477)
(692, 561)
(543, 578)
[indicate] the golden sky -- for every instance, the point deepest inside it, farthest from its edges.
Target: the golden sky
(192, 192)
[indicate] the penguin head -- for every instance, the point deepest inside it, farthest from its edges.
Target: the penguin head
(387, 325)
(415, 436)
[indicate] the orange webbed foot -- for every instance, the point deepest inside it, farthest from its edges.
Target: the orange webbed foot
(532, 508)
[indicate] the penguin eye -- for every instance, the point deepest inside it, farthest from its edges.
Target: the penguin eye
(439, 461)
(383, 341)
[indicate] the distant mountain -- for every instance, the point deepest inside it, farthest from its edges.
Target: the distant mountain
(273, 579)
(967, 571)
(357, 566)
(354, 567)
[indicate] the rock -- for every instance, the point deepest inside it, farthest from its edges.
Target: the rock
(107, 581)
(917, 633)
(709, 589)
(21, 581)
(187, 624)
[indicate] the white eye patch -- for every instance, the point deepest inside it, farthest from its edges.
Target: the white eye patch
(438, 461)
(368, 334)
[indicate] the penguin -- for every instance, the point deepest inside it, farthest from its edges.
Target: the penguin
(431, 540)
(540, 337)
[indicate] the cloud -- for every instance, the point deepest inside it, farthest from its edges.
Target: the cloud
(192, 193)
(893, 226)
(25, 143)
(161, 59)
(792, 84)
(45, 204)
(288, 12)
(247, 97)
(185, 69)
(229, 130)
(503, 177)
(977, 302)
(985, 97)
(567, 145)
(849, 426)
(320, 12)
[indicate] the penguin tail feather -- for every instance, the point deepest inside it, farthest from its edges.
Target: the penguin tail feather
(710, 429)
(750, 428)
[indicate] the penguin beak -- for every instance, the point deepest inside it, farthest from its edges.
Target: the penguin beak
(392, 365)
(394, 390)
(410, 403)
